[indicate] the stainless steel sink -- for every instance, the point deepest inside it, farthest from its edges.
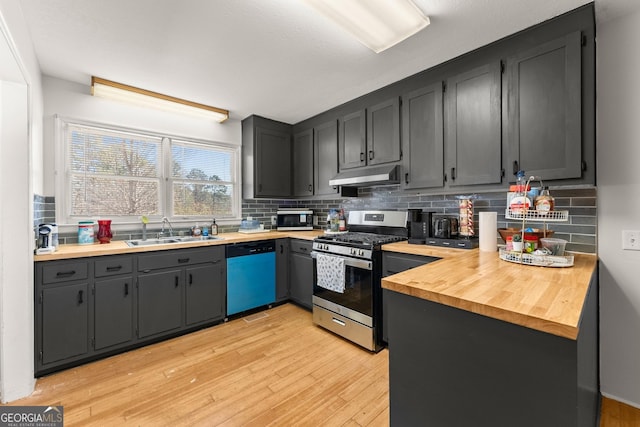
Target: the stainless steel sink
(170, 240)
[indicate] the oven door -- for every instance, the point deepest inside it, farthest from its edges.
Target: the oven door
(358, 286)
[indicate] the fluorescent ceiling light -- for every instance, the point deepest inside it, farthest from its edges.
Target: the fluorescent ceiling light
(145, 98)
(378, 24)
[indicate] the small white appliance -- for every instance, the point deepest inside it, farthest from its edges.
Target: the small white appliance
(47, 239)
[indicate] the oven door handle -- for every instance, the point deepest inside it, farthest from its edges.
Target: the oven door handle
(349, 262)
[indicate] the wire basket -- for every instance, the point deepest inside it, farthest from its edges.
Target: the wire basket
(536, 260)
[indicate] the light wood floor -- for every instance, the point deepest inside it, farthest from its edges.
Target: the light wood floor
(277, 370)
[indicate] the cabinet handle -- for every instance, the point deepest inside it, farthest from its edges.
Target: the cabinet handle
(310, 188)
(126, 289)
(183, 260)
(190, 279)
(516, 167)
(370, 154)
(80, 297)
(176, 282)
(114, 268)
(453, 174)
(406, 178)
(65, 273)
(362, 157)
(281, 249)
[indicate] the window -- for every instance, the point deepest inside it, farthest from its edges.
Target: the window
(123, 174)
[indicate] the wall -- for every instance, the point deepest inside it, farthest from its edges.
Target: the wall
(618, 68)
(20, 150)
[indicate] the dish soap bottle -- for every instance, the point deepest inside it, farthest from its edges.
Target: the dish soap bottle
(214, 228)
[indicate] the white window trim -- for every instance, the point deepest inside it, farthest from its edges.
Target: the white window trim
(61, 176)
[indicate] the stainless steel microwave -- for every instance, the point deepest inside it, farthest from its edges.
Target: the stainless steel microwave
(295, 219)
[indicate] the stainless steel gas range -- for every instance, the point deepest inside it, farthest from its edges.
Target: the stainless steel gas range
(347, 295)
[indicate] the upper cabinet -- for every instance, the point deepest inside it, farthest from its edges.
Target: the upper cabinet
(422, 138)
(266, 155)
(303, 163)
(325, 140)
(474, 145)
(544, 115)
(370, 136)
(352, 142)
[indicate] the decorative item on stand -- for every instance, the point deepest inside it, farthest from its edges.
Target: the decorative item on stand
(465, 206)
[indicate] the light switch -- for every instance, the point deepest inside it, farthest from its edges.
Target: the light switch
(631, 240)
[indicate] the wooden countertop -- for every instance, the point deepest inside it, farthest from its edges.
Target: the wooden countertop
(545, 299)
(120, 247)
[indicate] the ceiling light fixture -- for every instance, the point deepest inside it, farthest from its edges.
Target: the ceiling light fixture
(146, 98)
(378, 24)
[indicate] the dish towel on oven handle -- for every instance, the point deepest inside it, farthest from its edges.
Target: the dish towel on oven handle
(330, 272)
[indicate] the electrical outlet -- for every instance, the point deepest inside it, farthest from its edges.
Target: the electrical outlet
(274, 220)
(631, 240)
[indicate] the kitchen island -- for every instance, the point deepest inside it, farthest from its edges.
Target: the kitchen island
(474, 340)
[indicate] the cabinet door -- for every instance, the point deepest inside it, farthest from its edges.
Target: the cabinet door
(303, 163)
(423, 143)
(544, 113)
(205, 292)
(113, 313)
(65, 319)
(282, 269)
(159, 302)
(301, 273)
(473, 127)
(273, 163)
(383, 132)
(325, 157)
(352, 141)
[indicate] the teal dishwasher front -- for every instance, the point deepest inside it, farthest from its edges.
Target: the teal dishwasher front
(251, 275)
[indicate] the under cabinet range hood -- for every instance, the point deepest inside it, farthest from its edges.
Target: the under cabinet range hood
(379, 175)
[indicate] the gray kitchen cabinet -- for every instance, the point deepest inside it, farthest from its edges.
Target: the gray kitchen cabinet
(370, 136)
(206, 288)
(113, 314)
(325, 140)
(544, 115)
(423, 138)
(393, 263)
(65, 322)
(352, 143)
(473, 130)
(266, 158)
(301, 272)
(62, 318)
(303, 162)
(383, 132)
(282, 270)
(159, 302)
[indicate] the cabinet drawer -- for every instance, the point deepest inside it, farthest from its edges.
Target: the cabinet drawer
(177, 258)
(111, 266)
(64, 271)
(302, 246)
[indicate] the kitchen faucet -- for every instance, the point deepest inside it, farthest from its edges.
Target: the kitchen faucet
(165, 220)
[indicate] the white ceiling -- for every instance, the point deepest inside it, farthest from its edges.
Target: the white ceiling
(275, 58)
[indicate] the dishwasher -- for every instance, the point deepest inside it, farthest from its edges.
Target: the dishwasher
(251, 275)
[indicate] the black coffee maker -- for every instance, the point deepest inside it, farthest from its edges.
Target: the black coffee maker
(420, 226)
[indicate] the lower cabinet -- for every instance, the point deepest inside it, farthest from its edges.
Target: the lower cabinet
(92, 307)
(113, 312)
(65, 322)
(392, 263)
(301, 272)
(159, 302)
(282, 270)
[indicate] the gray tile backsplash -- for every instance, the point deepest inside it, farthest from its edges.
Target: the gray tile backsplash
(580, 231)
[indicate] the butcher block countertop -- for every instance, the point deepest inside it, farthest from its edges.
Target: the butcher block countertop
(545, 299)
(120, 247)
